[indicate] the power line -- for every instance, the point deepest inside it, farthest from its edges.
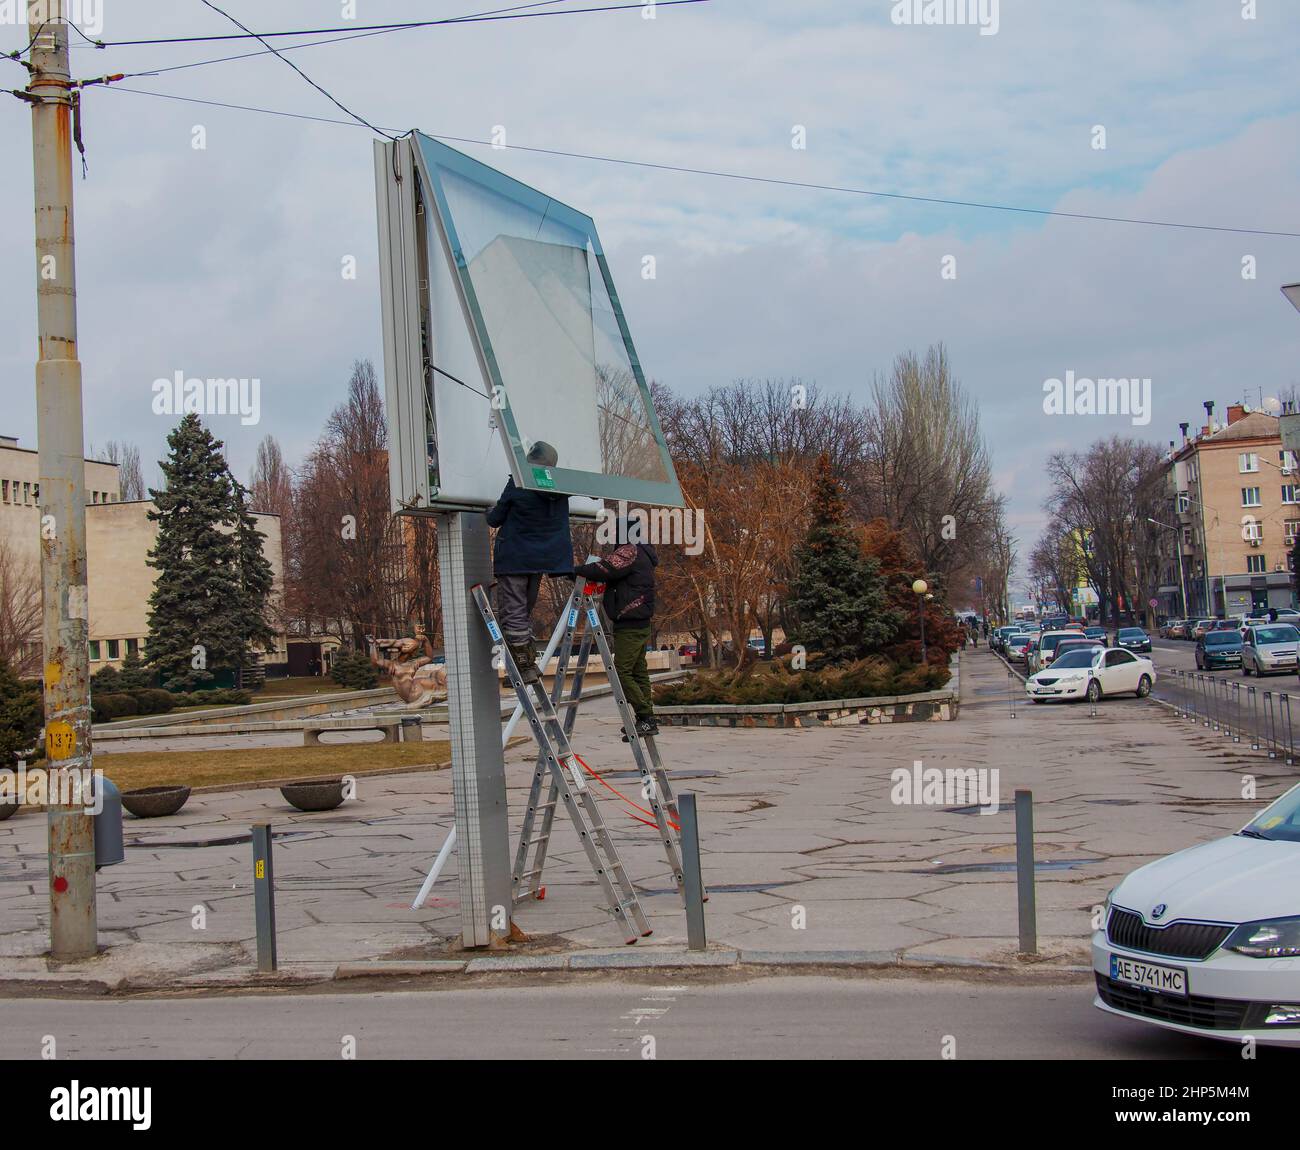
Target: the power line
(321, 43)
(329, 96)
(475, 19)
(743, 177)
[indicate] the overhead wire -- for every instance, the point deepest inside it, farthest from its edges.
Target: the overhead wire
(776, 181)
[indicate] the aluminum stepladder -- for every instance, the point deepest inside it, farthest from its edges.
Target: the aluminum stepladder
(569, 786)
(655, 788)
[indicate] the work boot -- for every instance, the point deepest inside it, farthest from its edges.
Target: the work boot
(525, 656)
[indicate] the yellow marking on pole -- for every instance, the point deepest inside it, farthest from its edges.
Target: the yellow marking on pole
(60, 740)
(259, 870)
(53, 674)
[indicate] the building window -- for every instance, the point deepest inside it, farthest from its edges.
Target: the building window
(27, 493)
(94, 651)
(1287, 460)
(36, 492)
(1247, 461)
(1250, 496)
(133, 646)
(1254, 530)
(114, 649)
(1256, 564)
(1292, 529)
(6, 490)
(1289, 493)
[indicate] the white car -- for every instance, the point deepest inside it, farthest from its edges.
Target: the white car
(1207, 941)
(1043, 650)
(1090, 673)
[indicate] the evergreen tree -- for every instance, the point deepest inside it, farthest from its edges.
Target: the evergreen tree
(256, 579)
(195, 615)
(21, 714)
(837, 594)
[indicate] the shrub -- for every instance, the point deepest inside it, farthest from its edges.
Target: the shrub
(153, 701)
(105, 707)
(355, 671)
(776, 683)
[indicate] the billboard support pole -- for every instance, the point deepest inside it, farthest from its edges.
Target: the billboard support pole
(474, 713)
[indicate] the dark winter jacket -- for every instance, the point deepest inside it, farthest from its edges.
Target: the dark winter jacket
(628, 573)
(533, 536)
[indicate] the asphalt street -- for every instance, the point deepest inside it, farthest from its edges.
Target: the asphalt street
(787, 1017)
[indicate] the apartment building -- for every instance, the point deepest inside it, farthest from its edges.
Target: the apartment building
(119, 537)
(1234, 496)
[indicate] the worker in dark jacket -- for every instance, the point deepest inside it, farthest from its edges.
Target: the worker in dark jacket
(532, 540)
(628, 573)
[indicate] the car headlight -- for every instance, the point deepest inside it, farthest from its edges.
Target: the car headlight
(1273, 938)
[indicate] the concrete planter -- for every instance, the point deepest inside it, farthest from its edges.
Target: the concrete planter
(155, 802)
(319, 795)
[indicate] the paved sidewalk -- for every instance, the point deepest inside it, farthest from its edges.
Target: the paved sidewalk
(806, 856)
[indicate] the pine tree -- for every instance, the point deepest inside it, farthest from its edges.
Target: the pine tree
(195, 615)
(256, 580)
(21, 713)
(837, 594)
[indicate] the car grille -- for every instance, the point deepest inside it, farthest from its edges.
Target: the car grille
(1045, 682)
(1195, 940)
(1205, 1013)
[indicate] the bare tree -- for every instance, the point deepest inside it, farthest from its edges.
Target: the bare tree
(270, 485)
(20, 613)
(130, 478)
(928, 466)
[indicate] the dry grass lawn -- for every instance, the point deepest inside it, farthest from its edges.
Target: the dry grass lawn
(259, 766)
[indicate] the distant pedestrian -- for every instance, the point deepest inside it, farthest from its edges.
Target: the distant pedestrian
(532, 540)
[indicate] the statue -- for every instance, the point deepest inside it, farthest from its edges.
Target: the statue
(409, 665)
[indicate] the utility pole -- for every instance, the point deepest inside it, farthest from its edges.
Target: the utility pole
(65, 617)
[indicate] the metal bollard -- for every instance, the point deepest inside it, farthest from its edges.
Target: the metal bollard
(1271, 728)
(1252, 698)
(1236, 711)
(692, 880)
(264, 897)
(1027, 911)
(1284, 708)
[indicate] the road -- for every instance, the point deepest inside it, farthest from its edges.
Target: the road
(809, 1016)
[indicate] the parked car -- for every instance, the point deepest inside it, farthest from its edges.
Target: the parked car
(1133, 639)
(1081, 642)
(1206, 941)
(1200, 627)
(1041, 654)
(1181, 629)
(1217, 649)
(689, 650)
(1269, 649)
(1168, 629)
(1095, 633)
(998, 639)
(1018, 647)
(1091, 673)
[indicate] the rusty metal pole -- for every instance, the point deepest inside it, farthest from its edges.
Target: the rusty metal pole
(65, 622)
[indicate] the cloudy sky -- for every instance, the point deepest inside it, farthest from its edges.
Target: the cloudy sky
(226, 260)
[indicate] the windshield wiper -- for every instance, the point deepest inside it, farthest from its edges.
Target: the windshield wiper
(1248, 833)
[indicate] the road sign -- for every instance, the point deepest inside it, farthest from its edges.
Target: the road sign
(1153, 602)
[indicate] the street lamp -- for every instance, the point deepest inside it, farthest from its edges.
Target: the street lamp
(920, 587)
(1178, 540)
